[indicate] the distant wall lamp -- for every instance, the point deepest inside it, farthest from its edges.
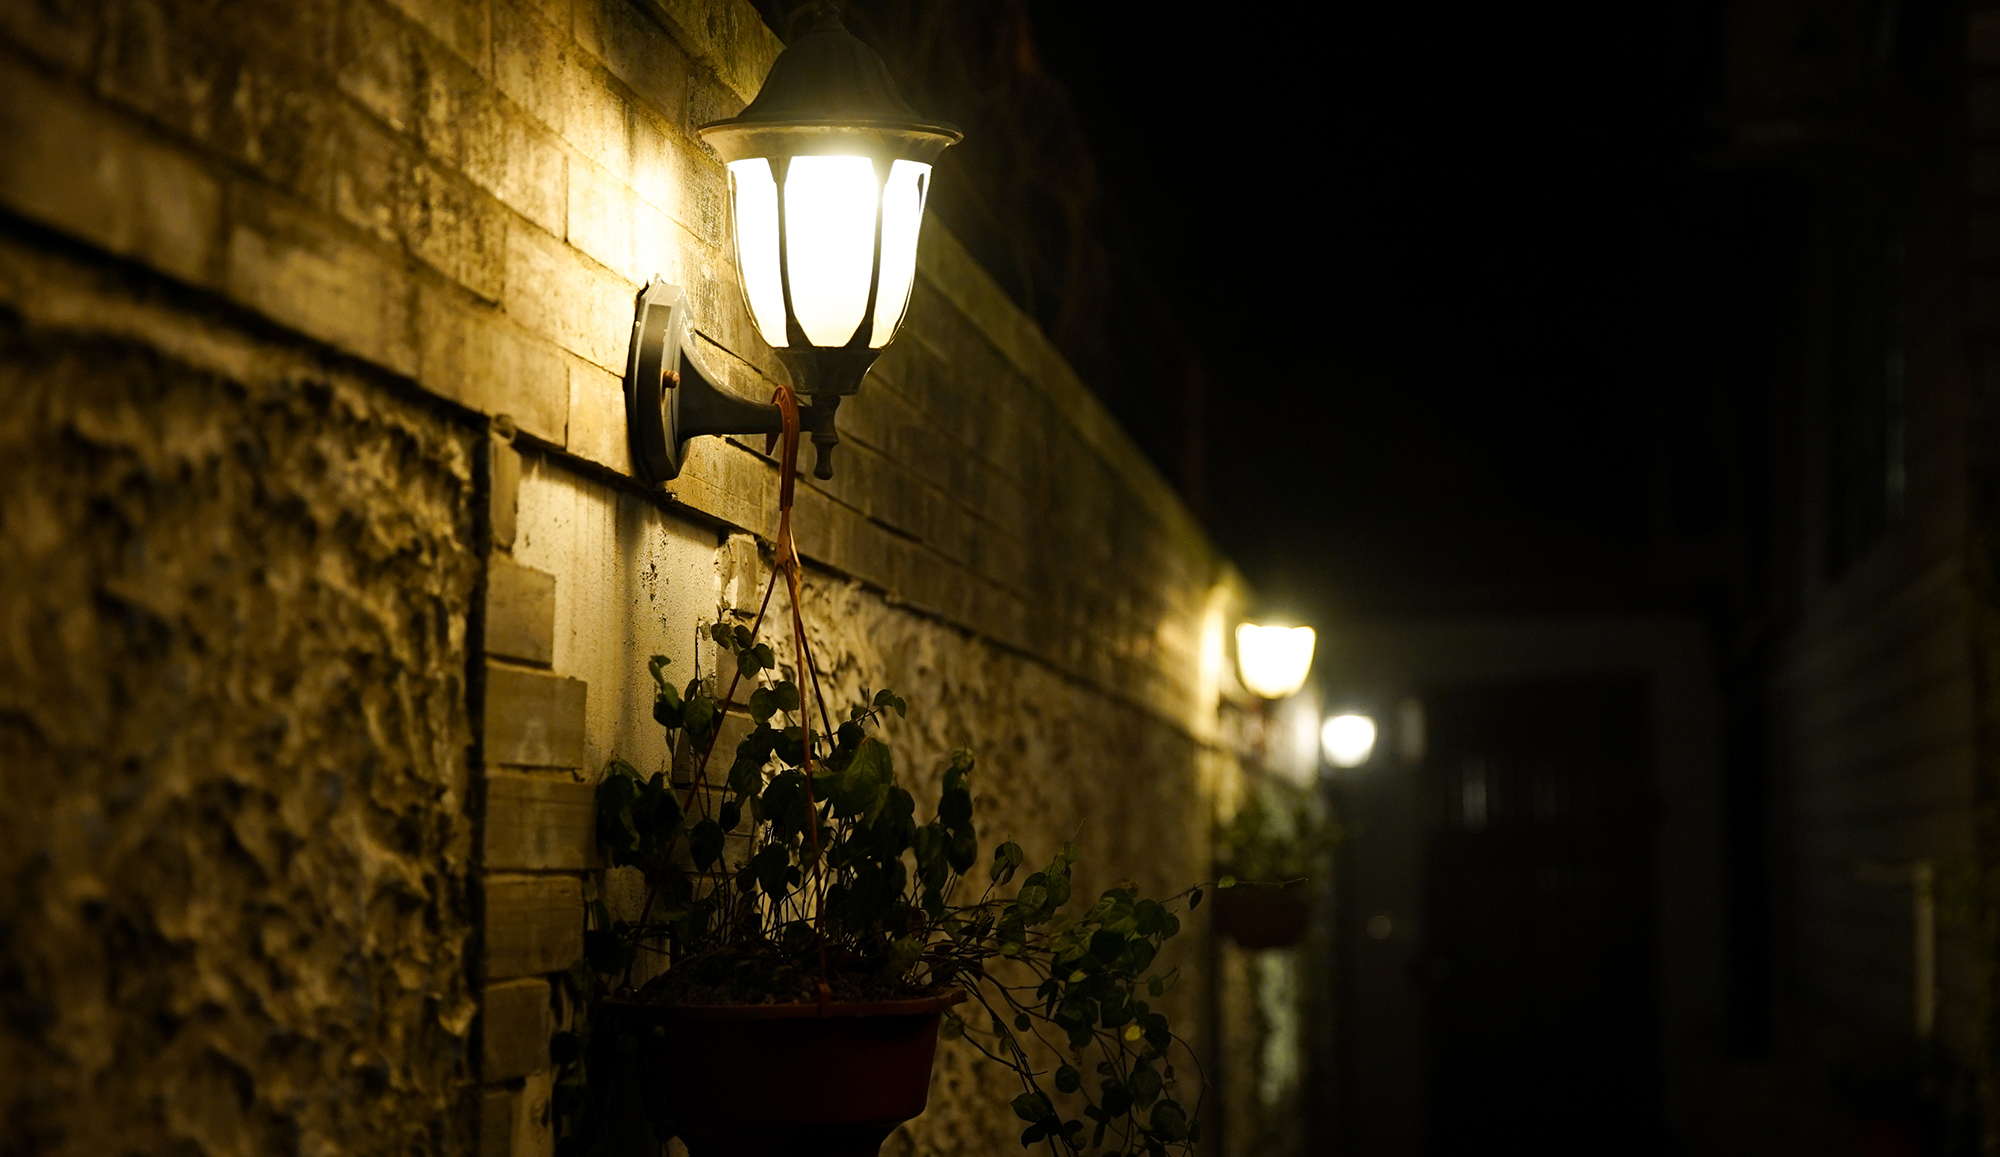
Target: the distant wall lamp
(828, 174)
(1348, 740)
(1274, 660)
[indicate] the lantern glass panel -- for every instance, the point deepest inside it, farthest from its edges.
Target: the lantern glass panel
(756, 197)
(902, 220)
(1274, 661)
(830, 214)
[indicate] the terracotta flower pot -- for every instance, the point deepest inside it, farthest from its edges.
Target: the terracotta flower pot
(1263, 917)
(782, 1080)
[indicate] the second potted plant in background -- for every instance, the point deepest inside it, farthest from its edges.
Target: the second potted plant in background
(1270, 854)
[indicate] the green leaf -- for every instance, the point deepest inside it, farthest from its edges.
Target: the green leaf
(1169, 1120)
(1226, 882)
(730, 815)
(1145, 1084)
(766, 658)
(705, 844)
(786, 695)
(951, 1028)
(698, 718)
(772, 866)
(743, 638)
(864, 783)
(1194, 899)
(1007, 858)
(1032, 1107)
(955, 809)
(748, 664)
(724, 635)
(762, 705)
(1114, 1097)
(963, 851)
(956, 771)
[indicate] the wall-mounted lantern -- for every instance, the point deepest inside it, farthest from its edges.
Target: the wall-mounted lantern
(828, 173)
(1347, 740)
(1273, 660)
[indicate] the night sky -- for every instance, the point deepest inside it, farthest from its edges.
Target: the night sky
(1431, 258)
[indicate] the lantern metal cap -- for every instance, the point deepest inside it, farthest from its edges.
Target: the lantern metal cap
(829, 91)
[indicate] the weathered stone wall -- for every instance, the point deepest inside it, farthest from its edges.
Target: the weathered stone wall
(233, 724)
(447, 206)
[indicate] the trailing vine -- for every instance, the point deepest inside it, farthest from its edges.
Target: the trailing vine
(807, 874)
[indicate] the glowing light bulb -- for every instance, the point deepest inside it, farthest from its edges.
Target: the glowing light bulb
(1348, 740)
(1274, 661)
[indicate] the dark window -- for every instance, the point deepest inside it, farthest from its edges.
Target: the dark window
(1865, 467)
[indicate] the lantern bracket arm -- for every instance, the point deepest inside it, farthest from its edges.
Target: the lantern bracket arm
(673, 396)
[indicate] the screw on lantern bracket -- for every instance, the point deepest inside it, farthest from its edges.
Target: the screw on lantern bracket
(672, 396)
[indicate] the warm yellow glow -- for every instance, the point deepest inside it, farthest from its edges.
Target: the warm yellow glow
(902, 219)
(756, 197)
(1348, 740)
(830, 244)
(1273, 661)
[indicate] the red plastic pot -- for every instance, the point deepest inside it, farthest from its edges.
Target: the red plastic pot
(1262, 917)
(785, 1080)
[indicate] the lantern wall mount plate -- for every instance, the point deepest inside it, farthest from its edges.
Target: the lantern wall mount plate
(829, 170)
(671, 394)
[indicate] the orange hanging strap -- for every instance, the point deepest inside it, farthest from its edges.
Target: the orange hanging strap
(786, 555)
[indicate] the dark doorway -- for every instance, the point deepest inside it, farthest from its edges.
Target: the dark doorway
(1537, 954)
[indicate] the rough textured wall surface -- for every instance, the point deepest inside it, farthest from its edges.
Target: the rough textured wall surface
(233, 737)
(460, 198)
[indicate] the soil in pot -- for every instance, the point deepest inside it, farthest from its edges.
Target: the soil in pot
(783, 1080)
(1259, 918)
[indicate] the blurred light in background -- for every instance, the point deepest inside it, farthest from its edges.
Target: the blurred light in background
(1273, 661)
(1348, 740)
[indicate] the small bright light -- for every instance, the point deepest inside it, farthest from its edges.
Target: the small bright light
(1274, 661)
(1348, 740)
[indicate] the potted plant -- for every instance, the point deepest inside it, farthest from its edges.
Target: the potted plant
(1268, 853)
(810, 932)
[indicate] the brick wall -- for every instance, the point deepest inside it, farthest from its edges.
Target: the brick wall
(446, 206)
